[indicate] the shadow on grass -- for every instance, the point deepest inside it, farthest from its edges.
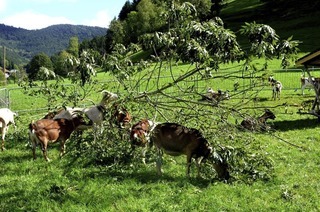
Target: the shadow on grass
(296, 124)
(146, 176)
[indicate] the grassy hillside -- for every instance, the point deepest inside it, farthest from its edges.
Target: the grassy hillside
(302, 25)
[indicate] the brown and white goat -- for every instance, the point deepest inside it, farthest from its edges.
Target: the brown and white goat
(175, 139)
(45, 131)
(276, 87)
(6, 119)
(215, 96)
(306, 82)
(121, 117)
(95, 114)
(139, 135)
(260, 123)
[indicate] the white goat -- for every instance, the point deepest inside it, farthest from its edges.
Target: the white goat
(6, 118)
(95, 114)
(276, 88)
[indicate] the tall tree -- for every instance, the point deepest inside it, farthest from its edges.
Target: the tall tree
(59, 63)
(147, 18)
(38, 61)
(131, 27)
(216, 7)
(126, 9)
(115, 34)
(73, 47)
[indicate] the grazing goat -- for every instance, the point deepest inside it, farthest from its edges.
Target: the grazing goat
(6, 118)
(95, 114)
(175, 139)
(52, 114)
(215, 96)
(139, 136)
(307, 83)
(276, 87)
(121, 117)
(253, 124)
(45, 131)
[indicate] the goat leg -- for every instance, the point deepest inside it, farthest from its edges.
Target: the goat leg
(188, 165)
(34, 151)
(45, 153)
(62, 148)
(159, 161)
(198, 163)
(2, 146)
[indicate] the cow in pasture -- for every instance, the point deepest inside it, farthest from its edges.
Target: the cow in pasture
(6, 119)
(260, 123)
(175, 139)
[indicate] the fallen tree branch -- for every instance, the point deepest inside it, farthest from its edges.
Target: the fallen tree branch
(309, 113)
(287, 142)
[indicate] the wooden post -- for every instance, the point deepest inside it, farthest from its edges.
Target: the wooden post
(316, 86)
(4, 64)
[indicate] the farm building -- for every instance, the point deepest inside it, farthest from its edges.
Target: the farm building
(312, 59)
(309, 61)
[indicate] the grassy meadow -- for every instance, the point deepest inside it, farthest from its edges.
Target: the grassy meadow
(73, 184)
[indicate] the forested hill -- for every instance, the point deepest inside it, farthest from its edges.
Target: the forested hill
(22, 44)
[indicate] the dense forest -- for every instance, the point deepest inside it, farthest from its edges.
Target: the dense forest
(139, 18)
(21, 44)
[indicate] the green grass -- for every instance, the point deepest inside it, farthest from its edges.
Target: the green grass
(71, 184)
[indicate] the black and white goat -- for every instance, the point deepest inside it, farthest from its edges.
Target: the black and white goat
(276, 87)
(6, 119)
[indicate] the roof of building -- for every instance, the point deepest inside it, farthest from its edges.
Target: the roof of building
(311, 59)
